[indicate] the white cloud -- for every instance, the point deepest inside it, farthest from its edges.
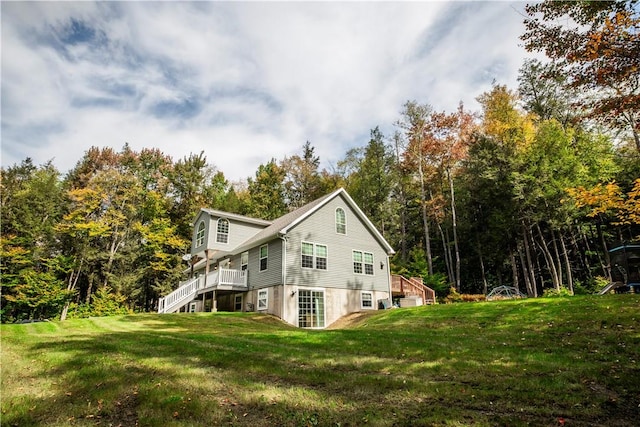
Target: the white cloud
(243, 82)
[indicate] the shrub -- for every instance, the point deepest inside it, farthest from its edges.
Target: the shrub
(552, 292)
(437, 282)
(104, 303)
(454, 296)
(591, 286)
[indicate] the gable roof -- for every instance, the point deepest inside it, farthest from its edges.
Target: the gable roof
(236, 217)
(282, 225)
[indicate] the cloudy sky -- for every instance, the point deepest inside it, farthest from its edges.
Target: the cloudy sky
(243, 82)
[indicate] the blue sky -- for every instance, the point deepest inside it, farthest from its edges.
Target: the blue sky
(243, 82)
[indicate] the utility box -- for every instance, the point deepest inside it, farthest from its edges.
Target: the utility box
(410, 302)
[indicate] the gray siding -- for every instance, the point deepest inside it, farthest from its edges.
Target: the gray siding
(273, 274)
(207, 223)
(239, 232)
(320, 228)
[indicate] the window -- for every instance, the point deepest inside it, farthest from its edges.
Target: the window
(363, 262)
(200, 234)
(368, 263)
(223, 231)
(264, 254)
(341, 221)
(238, 302)
(357, 262)
(263, 298)
(314, 256)
(310, 309)
(321, 257)
(244, 261)
(307, 255)
(367, 300)
(192, 307)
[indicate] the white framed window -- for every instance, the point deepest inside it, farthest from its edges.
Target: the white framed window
(200, 234)
(263, 299)
(357, 262)
(321, 257)
(314, 255)
(366, 299)
(237, 302)
(264, 257)
(222, 235)
(192, 307)
(311, 308)
(307, 255)
(244, 260)
(341, 221)
(368, 263)
(363, 263)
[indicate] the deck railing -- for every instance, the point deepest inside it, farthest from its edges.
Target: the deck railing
(187, 291)
(233, 277)
(177, 298)
(412, 286)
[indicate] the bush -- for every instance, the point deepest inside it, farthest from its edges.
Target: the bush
(104, 303)
(591, 286)
(454, 296)
(437, 282)
(554, 293)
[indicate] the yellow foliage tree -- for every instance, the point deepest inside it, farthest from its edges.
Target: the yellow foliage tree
(609, 199)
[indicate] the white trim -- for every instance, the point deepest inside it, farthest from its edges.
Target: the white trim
(236, 217)
(363, 263)
(301, 218)
(235, 302)
(344, 213)
(244, 262)
(266, 245)
(324, 306)
(266, 299)
(353, 206)
(200, 239)
(219, 233)
(362, 306)
(314, 256)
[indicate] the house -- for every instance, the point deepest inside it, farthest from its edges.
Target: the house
(309, 267)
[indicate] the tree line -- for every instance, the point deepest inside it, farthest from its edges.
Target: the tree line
(529, 191)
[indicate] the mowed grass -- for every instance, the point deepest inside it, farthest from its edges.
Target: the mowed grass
(543, 362)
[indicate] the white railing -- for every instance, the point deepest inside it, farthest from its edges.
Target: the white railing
(233, 277)
(187, 291)
(179, 296)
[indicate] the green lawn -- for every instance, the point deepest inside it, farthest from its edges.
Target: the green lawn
(532, 362)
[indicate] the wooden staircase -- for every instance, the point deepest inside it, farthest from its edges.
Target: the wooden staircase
(413, 286)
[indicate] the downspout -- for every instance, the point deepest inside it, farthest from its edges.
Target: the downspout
(389, 281)
(283, 237)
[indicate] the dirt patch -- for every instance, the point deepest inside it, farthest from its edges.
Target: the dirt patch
(351, 319)
(125, 413)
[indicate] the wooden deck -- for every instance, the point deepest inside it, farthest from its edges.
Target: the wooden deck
(413, 286)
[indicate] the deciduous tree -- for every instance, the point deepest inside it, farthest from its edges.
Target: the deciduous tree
(597, 46)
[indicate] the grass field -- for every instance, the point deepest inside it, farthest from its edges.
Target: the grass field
(543, 362)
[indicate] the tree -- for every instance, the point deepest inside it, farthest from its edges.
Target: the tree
(446, 146)
(543, 91)
(31, 264)
(610, 200)
(194, 184)
(302, 181)
(597, 47)
(414, 123)
(370, 182)
(266, 192)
